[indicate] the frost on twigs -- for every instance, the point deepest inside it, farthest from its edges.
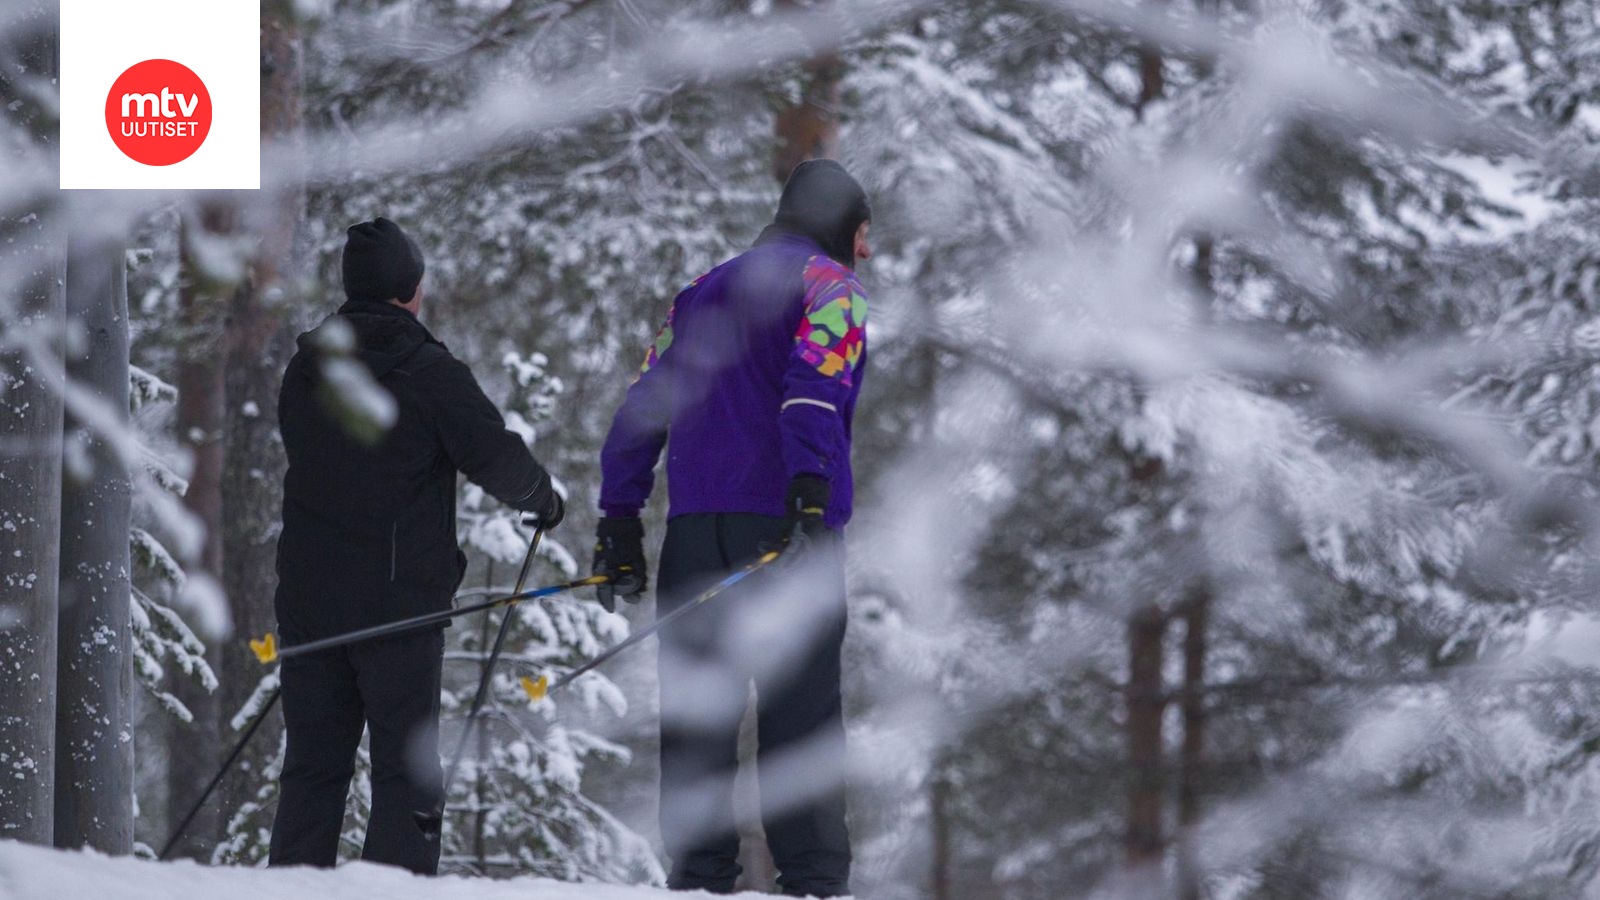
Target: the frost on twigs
(159, 635)
(524, 803)
(165, 648)
(145, 389)
(256, 702)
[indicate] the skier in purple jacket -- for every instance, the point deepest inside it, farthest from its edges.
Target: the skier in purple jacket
(751, 385)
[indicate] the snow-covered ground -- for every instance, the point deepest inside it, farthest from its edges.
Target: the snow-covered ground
(39, 873)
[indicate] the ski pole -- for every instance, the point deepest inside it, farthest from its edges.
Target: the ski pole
(541, 688)
(431, 822)
(233, 757)
(268, 651)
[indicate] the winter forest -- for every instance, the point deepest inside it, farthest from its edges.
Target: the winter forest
(1225, 471)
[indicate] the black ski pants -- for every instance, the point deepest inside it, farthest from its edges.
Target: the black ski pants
(788, 641)
(390, 686)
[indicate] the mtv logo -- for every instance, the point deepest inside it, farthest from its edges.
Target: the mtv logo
(161, 94)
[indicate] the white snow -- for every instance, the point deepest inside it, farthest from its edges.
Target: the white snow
(202, 598)
(39, 873)
(1566, 637)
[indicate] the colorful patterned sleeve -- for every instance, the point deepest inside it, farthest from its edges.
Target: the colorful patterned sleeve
(823, 370)
(832, 332)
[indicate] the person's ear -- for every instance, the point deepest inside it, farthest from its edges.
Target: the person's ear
(863, 249)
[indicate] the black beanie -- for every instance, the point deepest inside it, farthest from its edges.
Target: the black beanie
(823, 202)
(381, 262)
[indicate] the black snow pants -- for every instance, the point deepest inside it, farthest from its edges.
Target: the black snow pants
(787, 639)
(391, 687)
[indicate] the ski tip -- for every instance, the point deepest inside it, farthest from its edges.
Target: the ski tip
(536, 690)
(266, 649)
(768, 558)
(593, 580)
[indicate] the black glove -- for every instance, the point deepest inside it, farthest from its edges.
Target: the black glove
(555, 510)
(807, 502)
(619, 555)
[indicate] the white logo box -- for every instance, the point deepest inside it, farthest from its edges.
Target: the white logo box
(219, 39)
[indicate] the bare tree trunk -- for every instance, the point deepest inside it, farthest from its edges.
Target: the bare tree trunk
(939, 816)
(480, 846)
(1197, 614)
(1143, 841)
(252, 478)
(1152, 76)
(30, 466)
(193, 749)
(260, 342)
(94, 670)
(809, 129)
(1152, 80)
(1192, 759)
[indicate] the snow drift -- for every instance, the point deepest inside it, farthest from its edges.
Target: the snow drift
(39, 873)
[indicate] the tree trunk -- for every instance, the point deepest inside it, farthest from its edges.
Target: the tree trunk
(1142, 844)
(1194, 738)
(1197, 614)
(939, 824)
(193, 749)
(30, 466)
(1194, 729)
(94, 669)
(260, 342)
(809, 129)
(1152, 76)
(480, 844)
(1152, 80)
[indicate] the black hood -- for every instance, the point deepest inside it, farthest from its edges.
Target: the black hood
(385, 334)
(821, 201)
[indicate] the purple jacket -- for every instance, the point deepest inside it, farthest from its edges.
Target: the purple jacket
(754, 376)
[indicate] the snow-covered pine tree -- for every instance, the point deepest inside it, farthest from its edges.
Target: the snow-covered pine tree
(1526, 751)
(518, 805)
(160, 633)
(162, 639)
(1115, 493)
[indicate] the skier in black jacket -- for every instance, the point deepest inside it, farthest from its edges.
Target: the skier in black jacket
(369, 536)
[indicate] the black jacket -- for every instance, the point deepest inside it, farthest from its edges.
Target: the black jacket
(369, 530)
